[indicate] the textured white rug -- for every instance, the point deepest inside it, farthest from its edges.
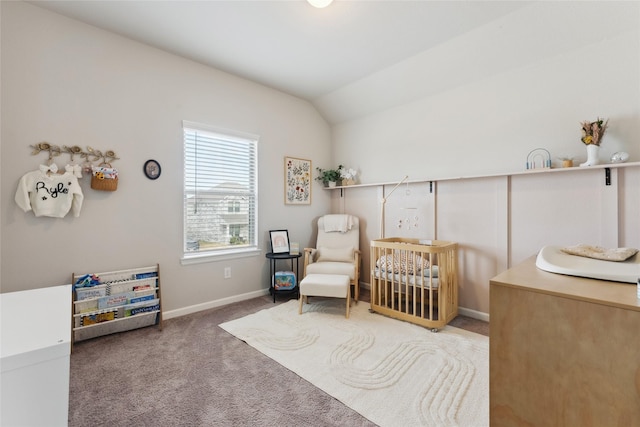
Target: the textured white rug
(392, 372)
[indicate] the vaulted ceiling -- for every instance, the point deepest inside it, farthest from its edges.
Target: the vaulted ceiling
(290, 45)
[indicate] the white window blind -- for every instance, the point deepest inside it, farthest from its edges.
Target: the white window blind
(220, 190)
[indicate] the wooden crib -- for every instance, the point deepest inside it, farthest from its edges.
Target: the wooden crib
(415, 280)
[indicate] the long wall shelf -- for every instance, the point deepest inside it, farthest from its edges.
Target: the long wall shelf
(603, 166)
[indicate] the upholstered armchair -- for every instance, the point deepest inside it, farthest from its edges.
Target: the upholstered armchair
(337, 249)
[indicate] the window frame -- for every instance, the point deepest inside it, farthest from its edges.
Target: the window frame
(227, 252)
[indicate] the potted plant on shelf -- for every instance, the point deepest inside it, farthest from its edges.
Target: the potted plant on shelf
(329, 177)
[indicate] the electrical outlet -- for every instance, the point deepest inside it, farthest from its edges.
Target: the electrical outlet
(227, 272)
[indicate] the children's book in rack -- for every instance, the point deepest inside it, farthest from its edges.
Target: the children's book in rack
(115, 301)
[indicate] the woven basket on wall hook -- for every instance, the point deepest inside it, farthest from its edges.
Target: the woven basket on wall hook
(100, 182)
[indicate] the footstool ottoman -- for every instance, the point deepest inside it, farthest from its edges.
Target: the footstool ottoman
(325, 285)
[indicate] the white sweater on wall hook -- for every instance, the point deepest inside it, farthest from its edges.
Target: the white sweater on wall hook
(48, 193)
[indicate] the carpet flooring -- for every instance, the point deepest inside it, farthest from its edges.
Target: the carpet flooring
(193, 373)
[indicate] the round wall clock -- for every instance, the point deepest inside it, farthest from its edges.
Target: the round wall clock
(152, 169)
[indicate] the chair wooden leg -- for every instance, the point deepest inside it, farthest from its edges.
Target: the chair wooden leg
(348, 300)
(300, 305)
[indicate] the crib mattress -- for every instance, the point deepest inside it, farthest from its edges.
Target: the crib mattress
(420, 281)
(553, 260)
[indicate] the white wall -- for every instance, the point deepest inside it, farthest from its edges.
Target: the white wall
(68, 83)
(522, 82)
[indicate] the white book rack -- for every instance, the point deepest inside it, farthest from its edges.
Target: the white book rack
(123, 300)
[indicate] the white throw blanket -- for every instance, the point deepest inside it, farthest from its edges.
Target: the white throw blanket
(596, 252)
(338, 222)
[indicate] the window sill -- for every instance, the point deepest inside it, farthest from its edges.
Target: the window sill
(199, 258)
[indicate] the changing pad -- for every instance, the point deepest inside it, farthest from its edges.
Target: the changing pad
(554, 260)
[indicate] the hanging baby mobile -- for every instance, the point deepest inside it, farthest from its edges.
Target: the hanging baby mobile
(54, 192)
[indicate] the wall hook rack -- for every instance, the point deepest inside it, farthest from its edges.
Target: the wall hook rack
(90, 154)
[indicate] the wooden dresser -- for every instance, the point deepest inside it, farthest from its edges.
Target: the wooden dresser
(564, 351)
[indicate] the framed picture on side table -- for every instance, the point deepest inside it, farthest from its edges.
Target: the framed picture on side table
(279, 241)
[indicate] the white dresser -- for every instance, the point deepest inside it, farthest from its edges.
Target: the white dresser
(35, 350)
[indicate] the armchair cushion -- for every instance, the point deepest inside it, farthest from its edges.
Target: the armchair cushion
(331, 267)
(344, 254)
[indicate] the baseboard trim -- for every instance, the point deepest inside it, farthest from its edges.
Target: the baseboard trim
(474, 314)
(212, 304)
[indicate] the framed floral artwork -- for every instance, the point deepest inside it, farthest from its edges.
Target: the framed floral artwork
(297, 181)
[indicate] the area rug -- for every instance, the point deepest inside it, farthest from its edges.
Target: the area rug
(391, 372)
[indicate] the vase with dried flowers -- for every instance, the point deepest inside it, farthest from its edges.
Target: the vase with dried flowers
(592, 133)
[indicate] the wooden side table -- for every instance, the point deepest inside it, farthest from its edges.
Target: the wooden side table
(274, 258)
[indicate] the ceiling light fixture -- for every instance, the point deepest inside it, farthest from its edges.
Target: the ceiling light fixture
(320, 3)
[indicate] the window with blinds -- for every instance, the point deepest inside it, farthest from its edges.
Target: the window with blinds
(220, 190)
